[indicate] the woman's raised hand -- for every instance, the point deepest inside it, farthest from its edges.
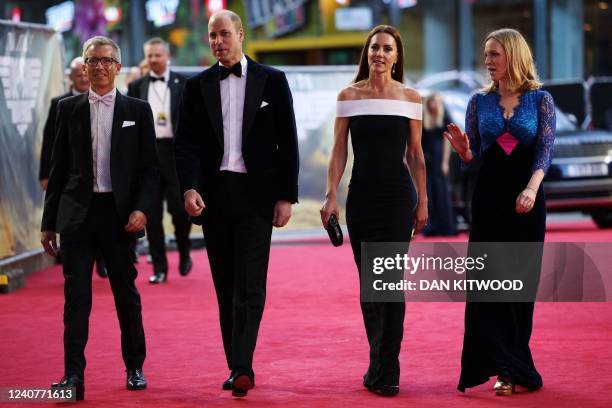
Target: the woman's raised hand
(459, 141)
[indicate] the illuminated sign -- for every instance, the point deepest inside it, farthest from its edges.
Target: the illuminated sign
(278, 17)
(112, 14)
(60, 17)
(161, 12)
(354, 18)
(212, 6)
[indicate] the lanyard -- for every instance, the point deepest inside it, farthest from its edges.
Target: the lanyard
(159, 98)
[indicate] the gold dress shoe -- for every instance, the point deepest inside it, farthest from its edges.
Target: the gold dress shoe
(503, 386)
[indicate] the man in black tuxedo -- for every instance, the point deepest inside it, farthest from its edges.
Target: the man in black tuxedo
(237, 161)
(163, 89)
(103, 180)
(80, 85)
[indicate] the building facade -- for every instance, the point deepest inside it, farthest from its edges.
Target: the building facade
(571, 39)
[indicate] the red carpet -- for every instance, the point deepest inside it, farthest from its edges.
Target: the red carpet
(312, 349)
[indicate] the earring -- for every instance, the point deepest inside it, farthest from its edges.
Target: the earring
(393, 70)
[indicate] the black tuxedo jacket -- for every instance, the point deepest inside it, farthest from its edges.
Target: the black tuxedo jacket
(49, 137)
(269, 137)
(133, 163)
(140, 89)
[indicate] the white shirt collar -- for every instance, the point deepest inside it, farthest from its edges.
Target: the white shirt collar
(243, 64)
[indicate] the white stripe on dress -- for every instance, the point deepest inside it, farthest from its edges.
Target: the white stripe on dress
(390, 107)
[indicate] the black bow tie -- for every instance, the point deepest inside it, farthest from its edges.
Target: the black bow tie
(236, 69)
(153, 79)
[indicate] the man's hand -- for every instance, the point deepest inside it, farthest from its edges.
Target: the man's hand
(136, 222)
(44, 183)
(48, 241)
(194, 205)
(282, 213)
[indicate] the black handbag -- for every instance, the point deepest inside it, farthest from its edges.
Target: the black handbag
(334, 231)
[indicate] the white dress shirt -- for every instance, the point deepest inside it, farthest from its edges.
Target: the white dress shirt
(232, 106)
(159, 99)
(101, 132)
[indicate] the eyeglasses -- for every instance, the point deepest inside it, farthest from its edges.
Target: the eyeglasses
(106, 61)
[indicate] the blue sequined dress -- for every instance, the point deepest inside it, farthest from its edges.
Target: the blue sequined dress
(496, 340)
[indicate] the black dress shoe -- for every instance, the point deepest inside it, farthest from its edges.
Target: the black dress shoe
(384, 390)
(185, 266)
(136, 380)
(241, 384)
(158, 278)
(101, 268)
(71, 381)
(227, 384)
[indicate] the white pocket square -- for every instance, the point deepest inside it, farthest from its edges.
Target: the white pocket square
(264, 104)
(127, 123)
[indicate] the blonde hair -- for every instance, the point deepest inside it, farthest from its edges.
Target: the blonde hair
(433, 121)
(522, 73)
(155, 41)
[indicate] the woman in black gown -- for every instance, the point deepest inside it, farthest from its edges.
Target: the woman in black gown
(384, 120)
(437, 157)
(511, 126)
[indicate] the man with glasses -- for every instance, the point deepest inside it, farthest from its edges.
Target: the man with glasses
(103, 180)
(80, 85)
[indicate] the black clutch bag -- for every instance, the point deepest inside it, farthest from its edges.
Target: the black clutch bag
(334, 231)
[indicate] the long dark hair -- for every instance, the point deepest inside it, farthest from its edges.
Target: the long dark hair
(364, 70)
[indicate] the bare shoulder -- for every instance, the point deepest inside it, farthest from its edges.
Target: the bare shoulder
(349, 93)
(411, 95)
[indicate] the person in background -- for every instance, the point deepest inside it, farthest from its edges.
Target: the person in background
(163, 89)
(143, 67)
(437, 157)
(132, 75)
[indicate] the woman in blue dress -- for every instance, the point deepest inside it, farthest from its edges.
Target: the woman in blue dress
(510, 125)
(384, 119)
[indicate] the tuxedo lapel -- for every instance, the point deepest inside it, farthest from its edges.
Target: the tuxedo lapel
(256, 81)
(118, 116)
(211, 94)
(143, 88)
(174, 84)
(83, 118)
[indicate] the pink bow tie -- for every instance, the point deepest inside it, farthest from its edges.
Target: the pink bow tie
(106, 99)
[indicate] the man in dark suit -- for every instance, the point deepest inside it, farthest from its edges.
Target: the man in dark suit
(237, 161)
(80, 85)
(163, 89)
(104, 177)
